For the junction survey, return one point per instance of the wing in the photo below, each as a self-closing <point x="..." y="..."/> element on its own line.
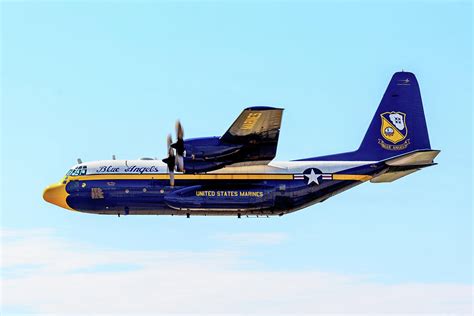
<point x="251" y="139"/>
<point x="255" y="122"/>
<point x="257" y="130"/>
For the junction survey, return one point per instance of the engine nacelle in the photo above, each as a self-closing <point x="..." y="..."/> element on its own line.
<point x="211" y="153"/>
<point x="209" y="148"/>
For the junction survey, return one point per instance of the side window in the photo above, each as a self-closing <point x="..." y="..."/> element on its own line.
<point x="83" y="170"/>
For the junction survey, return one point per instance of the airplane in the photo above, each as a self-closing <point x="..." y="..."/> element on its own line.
<point x="235" y="174"/>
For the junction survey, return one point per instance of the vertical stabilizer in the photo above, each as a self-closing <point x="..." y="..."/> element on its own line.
<point x="399" y="124"/>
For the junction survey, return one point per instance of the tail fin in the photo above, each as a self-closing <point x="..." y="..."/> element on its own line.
<point x="399" y="124"/>
<point x="397" y="128"/>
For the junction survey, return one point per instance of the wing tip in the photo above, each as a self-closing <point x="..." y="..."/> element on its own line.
<point x="262" y="108"/>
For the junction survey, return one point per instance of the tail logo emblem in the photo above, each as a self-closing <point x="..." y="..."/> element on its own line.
<point x="394" y="129"/>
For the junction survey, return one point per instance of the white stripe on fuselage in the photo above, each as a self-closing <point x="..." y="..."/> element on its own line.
<point x="274" y="167"/>
<point x="295" y="167"/>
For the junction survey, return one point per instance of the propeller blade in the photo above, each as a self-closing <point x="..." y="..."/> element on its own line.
<point x="180" y="163"/>
<point x="171" y="177"/>
<point x="170" y="161"/>
<point x="169" y="141"/>
<point x="179" y="146"/>
<point x="179" y="130"/>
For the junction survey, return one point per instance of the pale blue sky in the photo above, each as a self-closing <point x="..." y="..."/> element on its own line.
<point x="90" y="80"/>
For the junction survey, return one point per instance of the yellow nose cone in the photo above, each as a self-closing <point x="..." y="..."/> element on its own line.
<point x="56" y="194"/>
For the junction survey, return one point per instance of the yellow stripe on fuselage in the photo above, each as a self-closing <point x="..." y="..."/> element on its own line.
<point x="357" y="177"/>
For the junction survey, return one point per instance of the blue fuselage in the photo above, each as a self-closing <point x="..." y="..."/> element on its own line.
<point x="113" y="192"/>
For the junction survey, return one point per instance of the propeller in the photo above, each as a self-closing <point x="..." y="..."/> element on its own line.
<point x="175" y="159"/>
<point x="170" y="161"/>
<point x="179" y="146"/>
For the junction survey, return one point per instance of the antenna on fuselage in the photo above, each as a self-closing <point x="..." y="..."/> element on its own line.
<point x="79" y="160"/>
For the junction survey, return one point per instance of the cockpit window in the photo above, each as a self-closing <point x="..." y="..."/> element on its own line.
<point x="78" y="171"/>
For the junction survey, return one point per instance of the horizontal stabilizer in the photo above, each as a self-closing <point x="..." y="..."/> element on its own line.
<point x="419" y="158"/>
<point x="392" y="176"/>
<point x="406" y="164"/>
